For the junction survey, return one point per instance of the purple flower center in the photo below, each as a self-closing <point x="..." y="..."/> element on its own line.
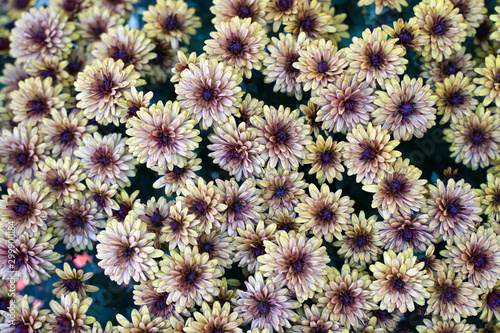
<point x="450" y="69"/>
<point x="190" y="276"/>
<point x="49" y="73"/>
<point x="97" y="30"/>
<point x="480" y="261"/>
<point x="376" y="60"/>
<point x="368" y="154"/>
<point x="449" y="294"/>
<point x="285" y="227"/>
<point x="58" y="182"/>
<point x="70" y="5"/>
<point x="258" y="249"/>
<point x="493" y="299"/>
<point x="200" y="208"/>
<point x="39" y="37"/>
<point x="407" y="234"/>
<point x="128" y="252"/>
<point x="425" y="260"/>
<point x="164" y="138"/>
<point x="175" y="226"/>
<point x="325" y="214"/>
<point x="206" y="247"/>
<point x="398" y="284"/>
<point x="4" y="303"/>
<point x="244" y="11"/>
<point x="99" y="199"/>
<point x="395" y="186"/>
<point x="172" y="23"/>
<point x="72" y="284"/>
<point x="122" y="55"/>
<point x="4" y="44"/>
<point x="217" y="329"/>
<point x="405" y="37"/>
<point x="122" y="212"/>
<point x="74" y="67"/>
<point x="284" y="4"/>
<point x="298" y="266"/>
<point x="132" y="110"/>
<point x="455" y="98"/>
<point x="233" y="153"/>
<point x="21" y="4"/>
<point x="382" y="315"/>
<point x="477" y="137"/>
<point x="105" y="86"/>
<point x="208" y="94"/>
<point x="496" y="198"/>
<point x="361" y="240"/>
<point x="235" y="47"/>
<point x="178" y="171"/>
<point x="327" y="157"/>
<point x="289" y="66"/>
<point x="406" y="109"/>
<point x="22" y="328"/>
<point x="76" y="222"/>
<point x="322" y="66"/>
<point x="19" y="261"/>
<point x="318" y="330"/>
<point x="453" y="208"/>
<point x="160" y="303"/>
<point x="264" y="307"/>
<point x="65" y="324"/>
<point x="104" y="160"/>
<point x="349" y="105"/>
<point x="39" y="107"/>
<point x="307" y="24"/>
<point x="483" y="31"/>
<point x="345" y="298"/>
<point x="280" y="191"/>
<point x="21" y="209"/>
<point x="281" y="136"/>
<point x="237" y="207"/>
<point x="439" y="27"/>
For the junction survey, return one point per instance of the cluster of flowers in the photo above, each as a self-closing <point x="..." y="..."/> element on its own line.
<point x="77" y="68"/>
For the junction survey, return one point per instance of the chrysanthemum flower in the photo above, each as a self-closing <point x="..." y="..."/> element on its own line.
<point x="26" y="318"/>
<point x="70" y="7"/>
<point x="313" y="319"/>
<point x="21" y="150"/>
<point x="203" y="201"/>
<point x="374" y="58"/>
<point x="459" y="61"/>
<point x="387" y="321"/>
<point x="282" y="188"/>
<point x="399" y="282"/>
<point x="242" y="204"/>
<point x="284" y="219"/>
<point x="476" y="256"/>
<point x="369" y="153"/>
<point x="101" y="86"/>
<point x="72" y="280"/>
<point x="346" y="297"/>
<point x="310" y="111"/>
<point x="171" y="21"/>
<point x="163" y="135"/>
<point x="215" y="318"/>
<point x="126" y="250"/>
<point x="279" y="11"/>
<point x="249" y="107"/>
<point x="455" y="98"/>
<point x="162" y="64"/>
<point x="487" y="83"/>
<point x="403" y="230"/>
<point x="28" y="206"/>
<point x="36" y="99"/>
<point x="405" y="108"/>
<point x="225" y="10"/>
<point x="174" y="178"/>
<point x="102" y="194"/>
<point x="490" y="304"/>
<point x="127" y="44"/>
<point x="344" y="104"/>
<point x="319" y="64"/>
<point x="236" y="149"/>
<point x="12" y="74"/>
<point x="284" y="135"/>
<point x="210" y="92"/>
<point x="312" y="18"/>
<point x="407" y="33"/>
<point x="239" y="43"/>
<point x="63" y="177"/>
<point x="179" y="230"/>
<point x="475" y="140"/>
<point x="451" y="297"/>
<point x="177" y="325"/>
<point x="126" y="204"/>
<point x="441" y="27"/>
<point x="219" y="246"/>
<point x="431" y="263"/>
<point x="438" y="325"/>
<point x="142" y="320"/>
<point x="325" y="157"/>
<point x="324" y="213"/>
<point x="265" y="306"/>
<point x="361" y="244"/>
<point x="145" y="294"/>
<point x="297" y="262"/>
<point x="70" y="315"/>
<point x="107" y="158"/>
<point x="120" y="7"/>
<point x="250" y="244"/>
<point x="41" y="32"/>
<point x="93" y="22"/>
<point x="34" y="256"/>
<point x="64" y="131"/>
<point x="15" y="8"/>
<point x="155" y="214"/>
<point x="133" y="102"/>
<point x="484" y="32"/>
<point x="453" y="209"/>
<point x="77" y="224"/>
<point x="189" y="277"/>
<point x="183" y="63"/>
<point x="50" y="66"/>
<point x="399" y="189"/>
<point x="473" y="11"/>
<point x="381" y="4"/>
<point x="489" y="195"/>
